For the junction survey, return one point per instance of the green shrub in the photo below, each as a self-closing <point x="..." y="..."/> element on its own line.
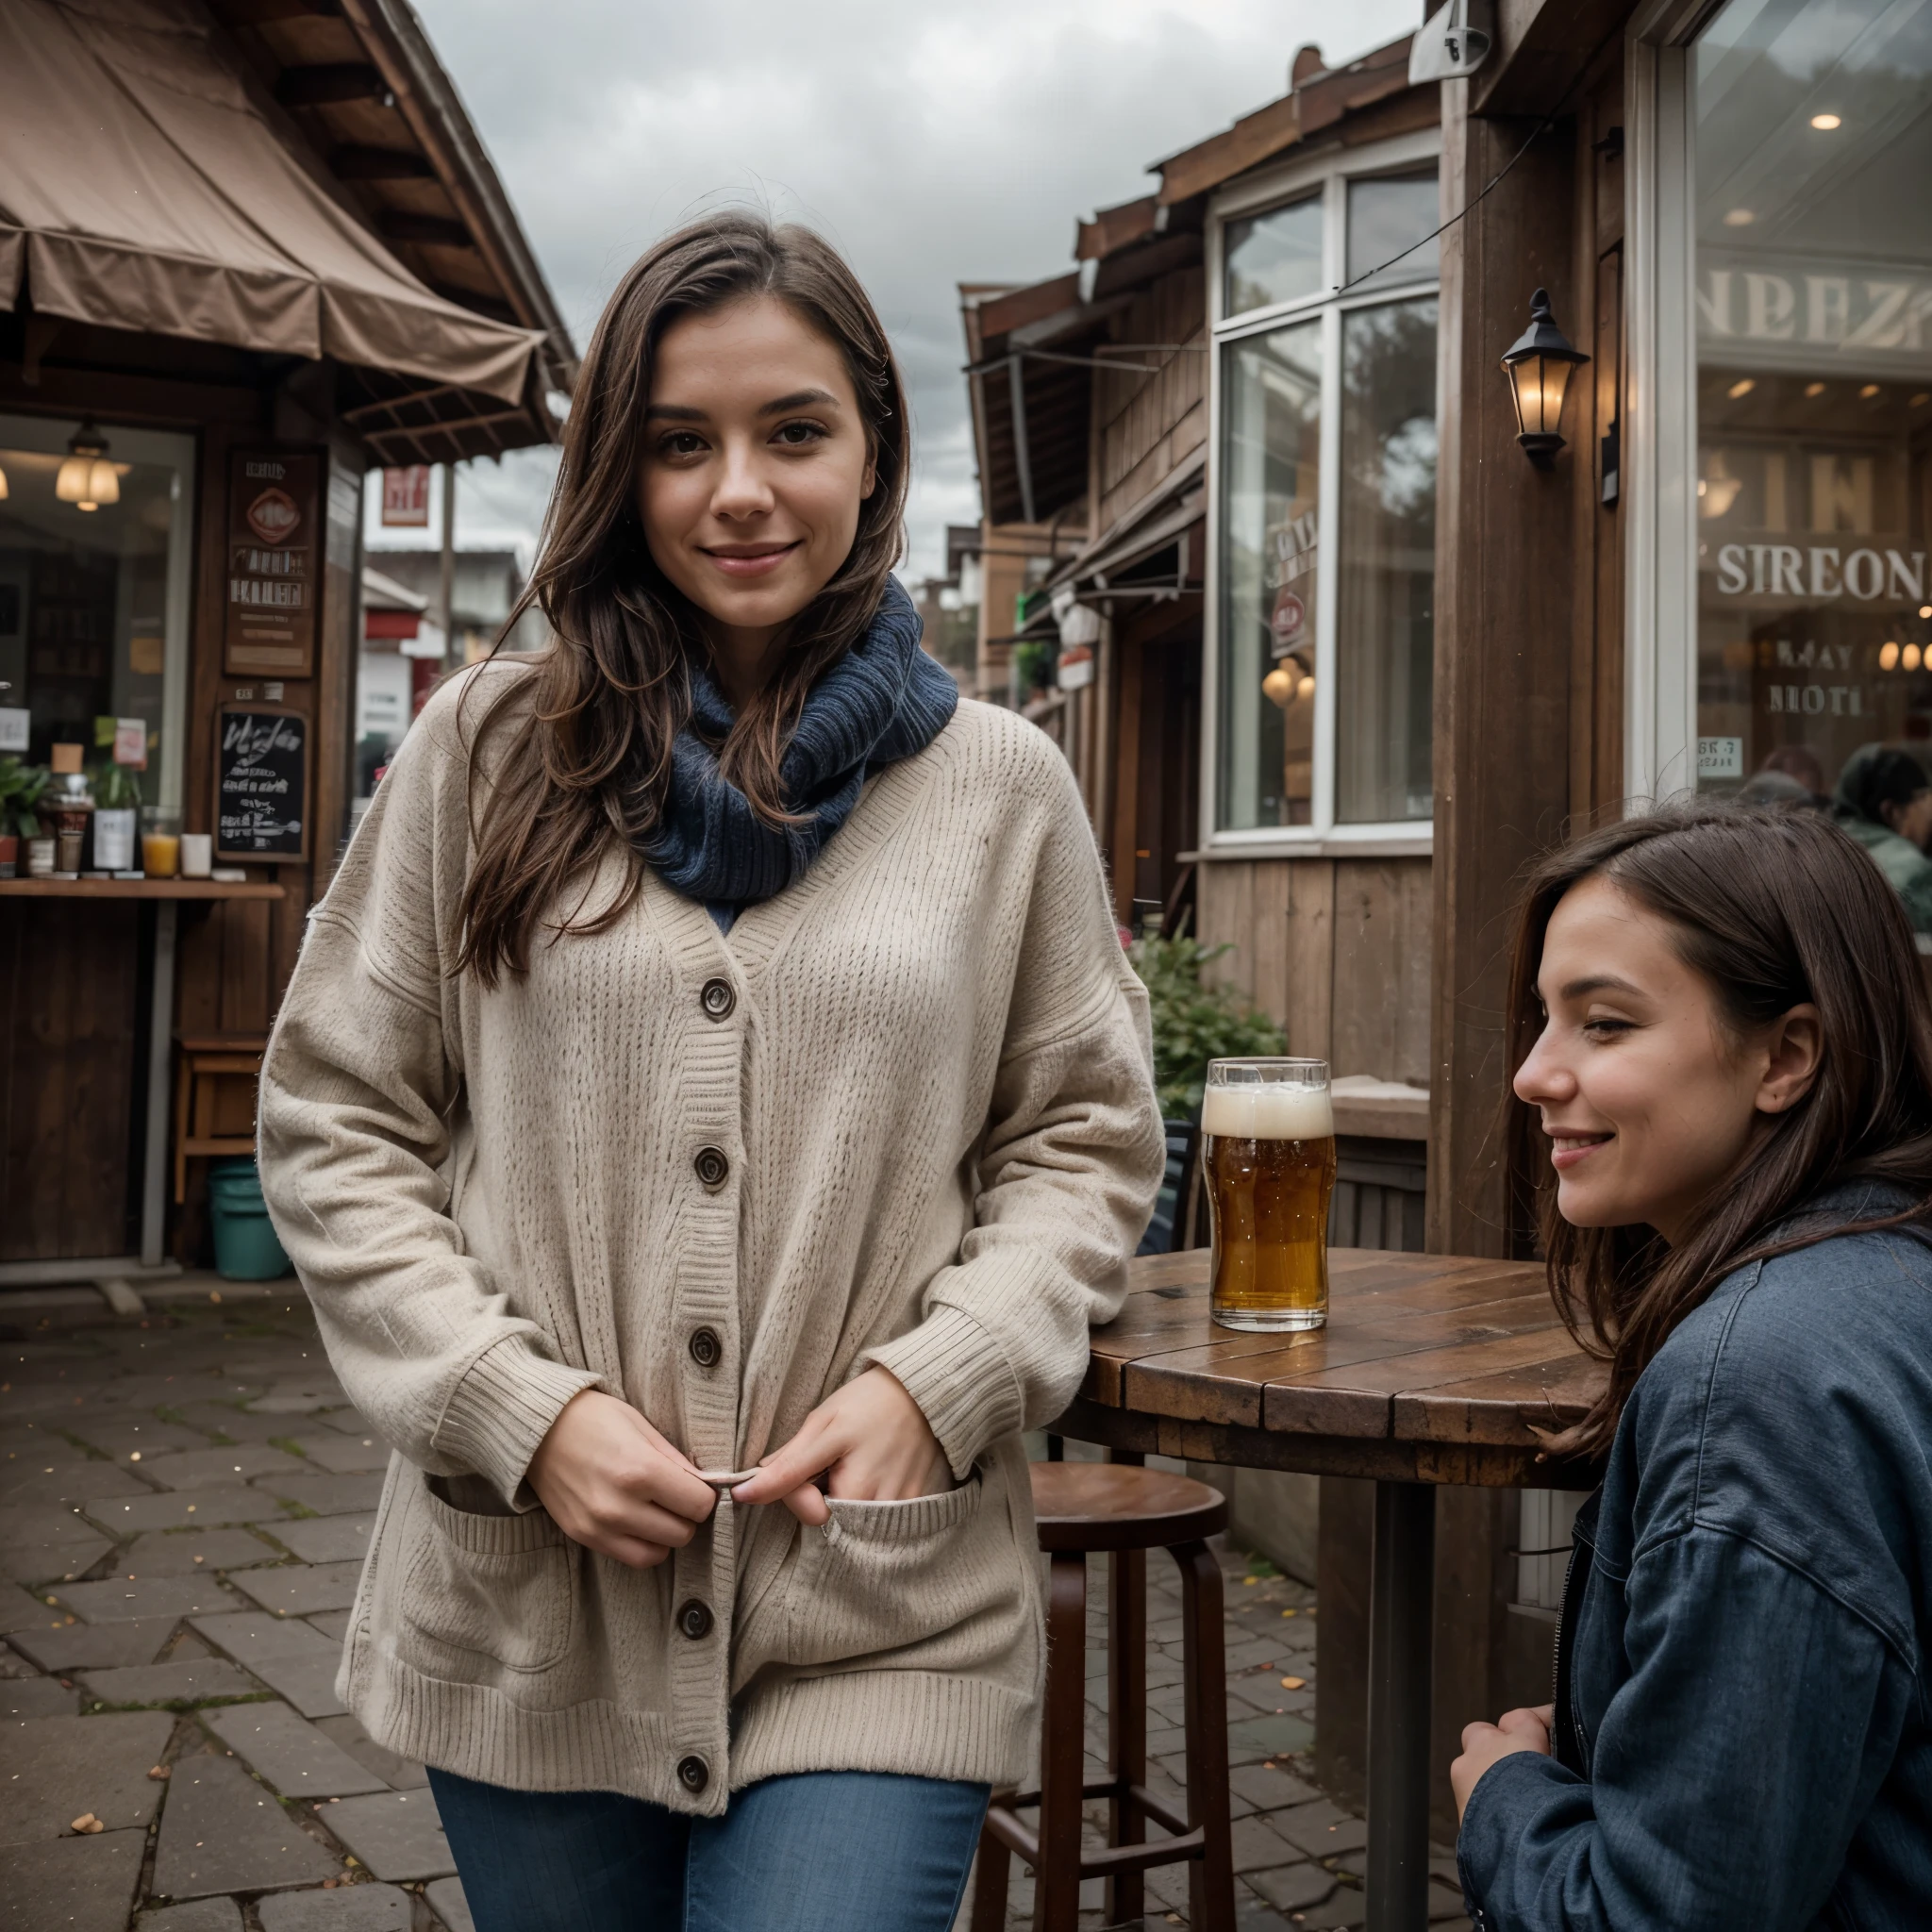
<point x="1194" y="1023"/>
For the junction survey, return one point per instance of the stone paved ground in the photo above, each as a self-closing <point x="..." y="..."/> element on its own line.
<point x="183" y="1503"/>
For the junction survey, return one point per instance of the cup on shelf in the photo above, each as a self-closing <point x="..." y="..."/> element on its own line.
<point x="160" y="846"/>
<point x="197" y="855"/>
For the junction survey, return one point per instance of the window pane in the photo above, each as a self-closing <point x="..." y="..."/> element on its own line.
<point x="1384" y="624"/>
<point x="1387" y="216"/>
<point x="1274" y="257"/>
<point x="1272" y="442"/>
<point x="1814" y="391"/>
<point x="85" y="599"/>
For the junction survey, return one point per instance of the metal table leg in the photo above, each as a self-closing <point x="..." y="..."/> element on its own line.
<point x="1401" y="1607"/>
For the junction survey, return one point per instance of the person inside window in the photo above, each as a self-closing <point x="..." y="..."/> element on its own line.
<point x="1723" y="1029"/>
<point x="1884" y="800"/>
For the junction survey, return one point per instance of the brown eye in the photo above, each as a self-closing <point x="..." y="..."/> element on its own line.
<point x="798" y="435"/>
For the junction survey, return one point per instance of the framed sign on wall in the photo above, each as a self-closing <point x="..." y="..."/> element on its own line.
<point x="275" y="564"/>
<point x="262" y="785"/>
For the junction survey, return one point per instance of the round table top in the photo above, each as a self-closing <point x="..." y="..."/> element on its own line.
<point x="1432" y="1368"/>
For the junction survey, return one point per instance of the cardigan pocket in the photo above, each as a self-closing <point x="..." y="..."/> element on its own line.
<point x="882" y="1576"/>
<point x="500" y="1587"/>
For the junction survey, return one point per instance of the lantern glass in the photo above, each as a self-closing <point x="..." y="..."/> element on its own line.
<point x="1539" y="384"/>
<point x="103" y="483"/>
<point x="69" y="484"/>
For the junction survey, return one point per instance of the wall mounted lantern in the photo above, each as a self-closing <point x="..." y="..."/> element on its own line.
<point x="1538" y="364"/>
<point x="86" y="480"/>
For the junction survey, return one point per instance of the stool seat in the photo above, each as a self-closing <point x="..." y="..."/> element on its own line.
<point x="1114" y="1506"/>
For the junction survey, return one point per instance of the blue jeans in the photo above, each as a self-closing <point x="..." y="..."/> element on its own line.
<point x="828" y="1851"/>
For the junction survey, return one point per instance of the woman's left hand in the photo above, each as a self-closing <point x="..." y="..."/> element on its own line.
<point x="871" y="1437"/>
<point x="1483" y="1744"/>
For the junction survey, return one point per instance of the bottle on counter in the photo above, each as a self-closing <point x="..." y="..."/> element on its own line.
<point x="69" y="805"/>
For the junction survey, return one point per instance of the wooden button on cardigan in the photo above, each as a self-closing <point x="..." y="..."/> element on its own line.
<point x="903" y="1114"/>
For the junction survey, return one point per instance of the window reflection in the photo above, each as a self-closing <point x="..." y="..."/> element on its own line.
<point x="1274" y="257"/>
<point x="1385" y="624"/>
<point x="1388" y="215"/>
<point x="1271" y="437"/>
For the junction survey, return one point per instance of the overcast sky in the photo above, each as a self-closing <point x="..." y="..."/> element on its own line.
<point x="934" y="143"/>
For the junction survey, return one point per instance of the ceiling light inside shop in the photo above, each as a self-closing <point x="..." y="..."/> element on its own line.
<point x="1919" y="400"/>
<point x="1814" y="388"/>
<point x="1826" y="123"/>
<point x="1888" y="657"/>
<point x="1926" y="609"/>
<point x="1739" y="218"/>
<point x="1910" y="656"/>
<point x="3" y="486"/>
<point x="1742" y="387"/>
<point x="1870" y="391"/>
<point x="85" y="479"/>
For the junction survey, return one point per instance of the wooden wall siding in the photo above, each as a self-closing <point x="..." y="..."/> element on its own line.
<point x="1505" y="608"/>
<point x="1338" y="951"/>
<point x="1148" y="422"/>
<point x="70" y="1020"/>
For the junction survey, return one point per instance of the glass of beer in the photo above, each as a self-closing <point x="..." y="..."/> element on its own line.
<point x="1267" y="1150"/>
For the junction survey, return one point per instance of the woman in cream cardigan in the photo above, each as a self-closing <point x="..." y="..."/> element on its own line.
<point x="711" y="1108"/>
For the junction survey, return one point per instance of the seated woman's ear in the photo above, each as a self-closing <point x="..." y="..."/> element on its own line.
<point x="1794" y="1051"/>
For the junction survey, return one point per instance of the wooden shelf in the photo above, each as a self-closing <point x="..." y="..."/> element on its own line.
<point x="136" y="888"/>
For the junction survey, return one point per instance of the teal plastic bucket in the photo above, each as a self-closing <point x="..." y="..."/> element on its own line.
<point x="245" y="1244"/>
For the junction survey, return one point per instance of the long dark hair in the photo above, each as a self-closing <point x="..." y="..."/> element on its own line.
<point x="585" y="757"/>
<point x="1772" y="909"/>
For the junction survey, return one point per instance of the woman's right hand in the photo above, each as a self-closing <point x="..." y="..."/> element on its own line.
<point x="612" y="1483"/>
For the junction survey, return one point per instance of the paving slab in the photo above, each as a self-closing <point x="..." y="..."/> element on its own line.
<point x="30" y="1443"/>
<point x="1322" y="1830"/>
<point x="22" y="1610"/>
<point x="120" y="1599"/>
<point x="29" y="1697"/>
<point x="193" y="1552"/>
<point x="328" y="1495"/>
<point x="229" y="1418"/>
<point x="134" y="1440"/>
<point x="305" y="1679"/>
<point x="347" y="1422"/>
<point x="52" y="1769"/>
<point x="328" y="1538"/>
<point x="397" y="1835"/>
<point x="348" y="1908"/>
<point x="212" y="1469"/>
<point x="35" y="1560"/>
<point x="399" y="1774"/>
<point x="25" y="1482"/>
<point x="1294" y="1887"/>
<point x="298" y="1589"/>
<point x="300" y="1397"/>
<point x="251" y="1637"/>
<point x="1256" y="1846"/>
<point x="447" y="1902"/>
<point x="198" y="1915"/>
<point x="182" y="1509"/>
<point x="93" y="1646"/>
<point x="297" y="1759"/>
<point x="179" y="1685"/>
<point x="1257" y="1737"/>
<point x="46" y="1523"/>
<point x="221" y="1831"/>
<point x="344" y="1454"/>
<point x="334" y="1625"/>
<point x="77" y="1884"/>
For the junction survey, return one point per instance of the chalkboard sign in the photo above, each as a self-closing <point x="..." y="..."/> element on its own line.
<point x="262" y="785"/>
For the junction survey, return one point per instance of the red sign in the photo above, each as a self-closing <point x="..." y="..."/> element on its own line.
<point x="406" y="497"/>
<point x="1287" y="621"/>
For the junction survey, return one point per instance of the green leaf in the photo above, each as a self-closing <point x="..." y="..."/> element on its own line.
<point x="1193" y="1023"/>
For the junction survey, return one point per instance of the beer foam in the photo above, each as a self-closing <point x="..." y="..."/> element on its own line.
<point x="1267" y="1113"/>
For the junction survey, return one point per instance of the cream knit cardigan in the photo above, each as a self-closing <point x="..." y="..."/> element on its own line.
<point x="902" y="1115"/>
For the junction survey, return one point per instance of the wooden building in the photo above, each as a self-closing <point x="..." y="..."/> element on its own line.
<point x="281" y="260"/>
<point x="1424" y="647"/>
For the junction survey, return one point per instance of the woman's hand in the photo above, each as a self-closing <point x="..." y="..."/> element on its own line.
<point x="871" y="1436"/>
<point x="1483" y="1744"/>
<point x="612" y="1483"/>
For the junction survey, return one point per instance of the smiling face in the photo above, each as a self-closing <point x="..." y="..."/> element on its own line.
<point x="1649" y="1100"/>
<point x="755" y="461"/>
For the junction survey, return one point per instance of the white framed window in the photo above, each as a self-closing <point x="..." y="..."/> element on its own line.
<point x="1322" y="515"/>
<point x="1780" y="455"/>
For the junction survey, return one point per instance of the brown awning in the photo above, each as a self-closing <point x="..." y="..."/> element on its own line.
<point x="144" y="186"/>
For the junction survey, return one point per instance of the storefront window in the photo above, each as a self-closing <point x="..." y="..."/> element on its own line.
<point x="93" y="600"/>
<point x="1271" y="479"/>
<point x="1328" y="471"/>
<point x="1385" y="633"/>
<point x="1814" y="387"/>
<point x="1274" y="257"/>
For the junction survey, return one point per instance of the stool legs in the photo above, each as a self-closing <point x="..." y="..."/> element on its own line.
<point x="1126" y="1721"/>
<point x="1210" y="1877"/>
<point x="1063" y="1747"/>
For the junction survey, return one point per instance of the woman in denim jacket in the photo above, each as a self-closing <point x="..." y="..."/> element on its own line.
<point x="1729" y="1045"/>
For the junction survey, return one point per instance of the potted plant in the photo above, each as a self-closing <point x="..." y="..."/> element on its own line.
<point x="116" y="816"/>
<point x="21" y="786"/>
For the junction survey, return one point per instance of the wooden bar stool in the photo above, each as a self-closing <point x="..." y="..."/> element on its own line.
<point x="1083" y="1506"/>
<point x="215" y="1097"/>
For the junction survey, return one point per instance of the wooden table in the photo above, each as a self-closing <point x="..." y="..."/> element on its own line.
<point x="1431" y="1370"/>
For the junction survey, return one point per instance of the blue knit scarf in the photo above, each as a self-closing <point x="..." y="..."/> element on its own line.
<point x="884" y="700"/>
